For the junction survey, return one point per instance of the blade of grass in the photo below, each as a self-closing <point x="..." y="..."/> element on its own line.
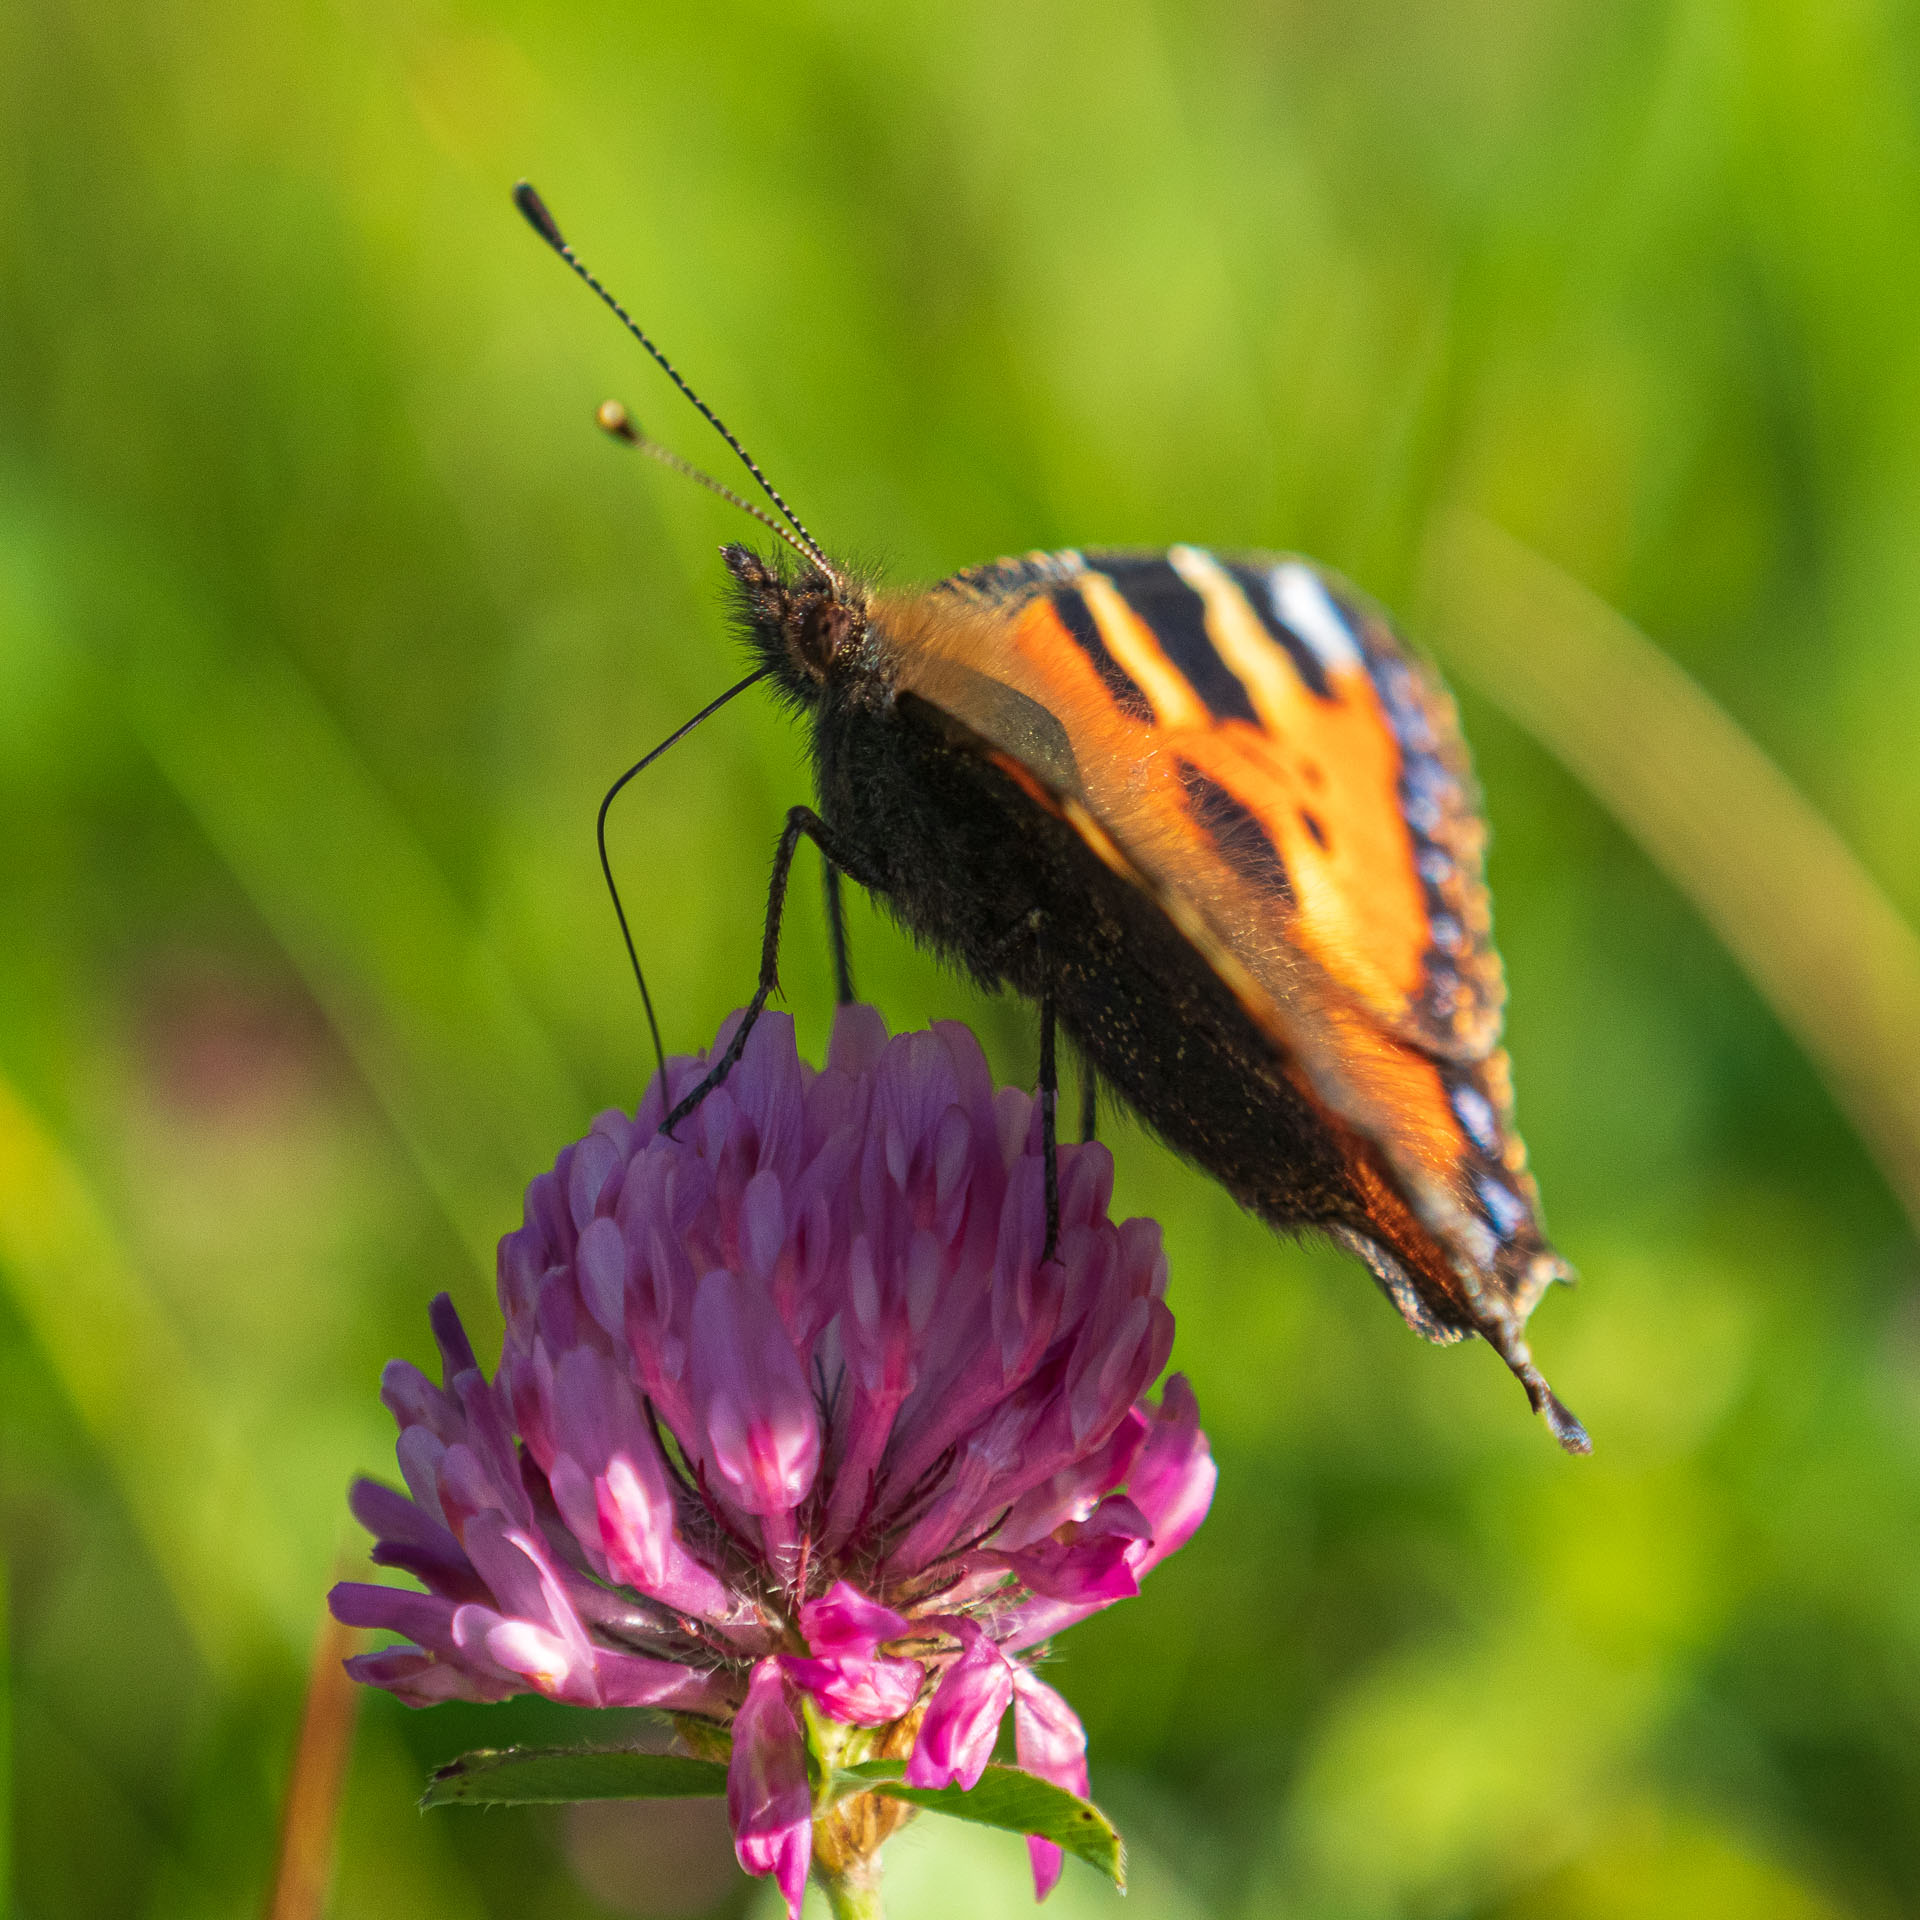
<point x="310" y="1813"/>
<point x="1809" y="925"/>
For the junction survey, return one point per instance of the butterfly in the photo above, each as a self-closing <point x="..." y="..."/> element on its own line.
<point x="1212" y="817"/>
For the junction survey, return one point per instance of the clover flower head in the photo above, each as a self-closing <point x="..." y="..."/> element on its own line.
<point x="795" y="1435"/>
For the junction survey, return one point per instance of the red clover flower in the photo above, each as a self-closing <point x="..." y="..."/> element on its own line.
<point x="795" y="1437"/>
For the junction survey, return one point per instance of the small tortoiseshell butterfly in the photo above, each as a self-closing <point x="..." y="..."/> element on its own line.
<point x="1212" y="817"/>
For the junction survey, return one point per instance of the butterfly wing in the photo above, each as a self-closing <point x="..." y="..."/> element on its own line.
<point x="1250" y="744"/>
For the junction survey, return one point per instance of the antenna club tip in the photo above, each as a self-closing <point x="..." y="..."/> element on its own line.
<point x="537" y="217"/>
<point x="613" y="418"/>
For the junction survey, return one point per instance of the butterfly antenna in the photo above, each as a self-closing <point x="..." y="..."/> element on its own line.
<point x="543" y="223"/>
<point x="620" y="425"/>
<point x="606" y="866"/>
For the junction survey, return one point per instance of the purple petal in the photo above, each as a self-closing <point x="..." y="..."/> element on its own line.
<point x="642" y="1548"/>
<point x="612" y="1486"/>
<point x="973" y="1079"/>
<point x="414" y="1401"/>
<point x="552" y="1663"/>
<point x="491" y="1438"/>
<point x="595" y="1162"/>
<point x="844" y="1620"/>
<point x="763" y="1224"/>
<point x="1032" y="1621"/>
<point x="1050" y="1742"/>
<point x="1094" y="1561"/>
<point x="600" y="1267"/>
<point x="859" y="1038"/>
<point x="1086" y="1183"/>
<point x="636" y="1680"/>
<point x="635" y="1513"/>
<point x="1173" y="1482"/>
<point x="1015" y="1116"/>
<point x="859" y="1689"/>
<point x="436" y="1667"/>
<point x="767" y="1088"/>
<point x="768" y="1798"/>
<point x="762" y="1432"/>
<point x="1073" y="1492"/>
<point x="421" y="1617"/>
<point x="963" y="1717"/>
<point x="1023" y="1233"/>
<point x="420" y="1680"/>
<point x="548" y="1601"/>
<point x="546" y="1212"/>
<point x="467" y="1487"/>
<point x="522" y="1261"/>
<point x="456" y="1350"/>
<point x="972" y="1494"/>
<point x="1103" y="1380"/>
<point x="449" y="1575"/>
<point x="389" y="1515"/>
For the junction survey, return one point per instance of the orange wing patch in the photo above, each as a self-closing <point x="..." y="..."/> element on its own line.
<point x="1137" y="649"/>
<point x="1321" y="775"/>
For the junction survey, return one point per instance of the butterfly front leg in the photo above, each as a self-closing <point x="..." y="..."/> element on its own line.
<point x="837" y="931"/>
<point x="802" y="824"/>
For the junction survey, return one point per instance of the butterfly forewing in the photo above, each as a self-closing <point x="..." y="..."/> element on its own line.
<point x="1256" y="750"/>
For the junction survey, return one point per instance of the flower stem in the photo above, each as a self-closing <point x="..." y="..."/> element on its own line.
<point x="854" y="1893"/>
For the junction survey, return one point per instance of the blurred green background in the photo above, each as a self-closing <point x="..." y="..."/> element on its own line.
<point x="325" y="618"/>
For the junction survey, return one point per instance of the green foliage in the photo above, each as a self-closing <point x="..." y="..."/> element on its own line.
<point x="326" y="617"/>
<point x="1006" y="1798"/>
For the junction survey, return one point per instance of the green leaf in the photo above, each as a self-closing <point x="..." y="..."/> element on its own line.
<point x="1009" y="1798"/>
<point x="513" y="1776"/>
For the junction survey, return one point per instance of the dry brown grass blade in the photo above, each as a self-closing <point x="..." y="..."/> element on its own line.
<point x="310" y="1815"/>
<point x="1813" y="931"/>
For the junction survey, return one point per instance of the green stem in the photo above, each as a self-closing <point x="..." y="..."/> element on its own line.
<point x="854" y="1894"/>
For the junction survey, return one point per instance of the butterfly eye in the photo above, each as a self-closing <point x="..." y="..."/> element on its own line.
<point x="824" y="631"/>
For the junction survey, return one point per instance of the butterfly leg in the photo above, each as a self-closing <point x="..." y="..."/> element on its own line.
<point x="1049" y="1100"/>
<point x="1562" y="1421"/>
<point x="1089" y="1100"/>
<point x="837" y="932"/>
<point x="1032" y="927"/>
<point x="802" y="824"/>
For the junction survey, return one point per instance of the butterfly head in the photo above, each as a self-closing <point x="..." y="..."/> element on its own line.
<point x="807" y="626"/>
